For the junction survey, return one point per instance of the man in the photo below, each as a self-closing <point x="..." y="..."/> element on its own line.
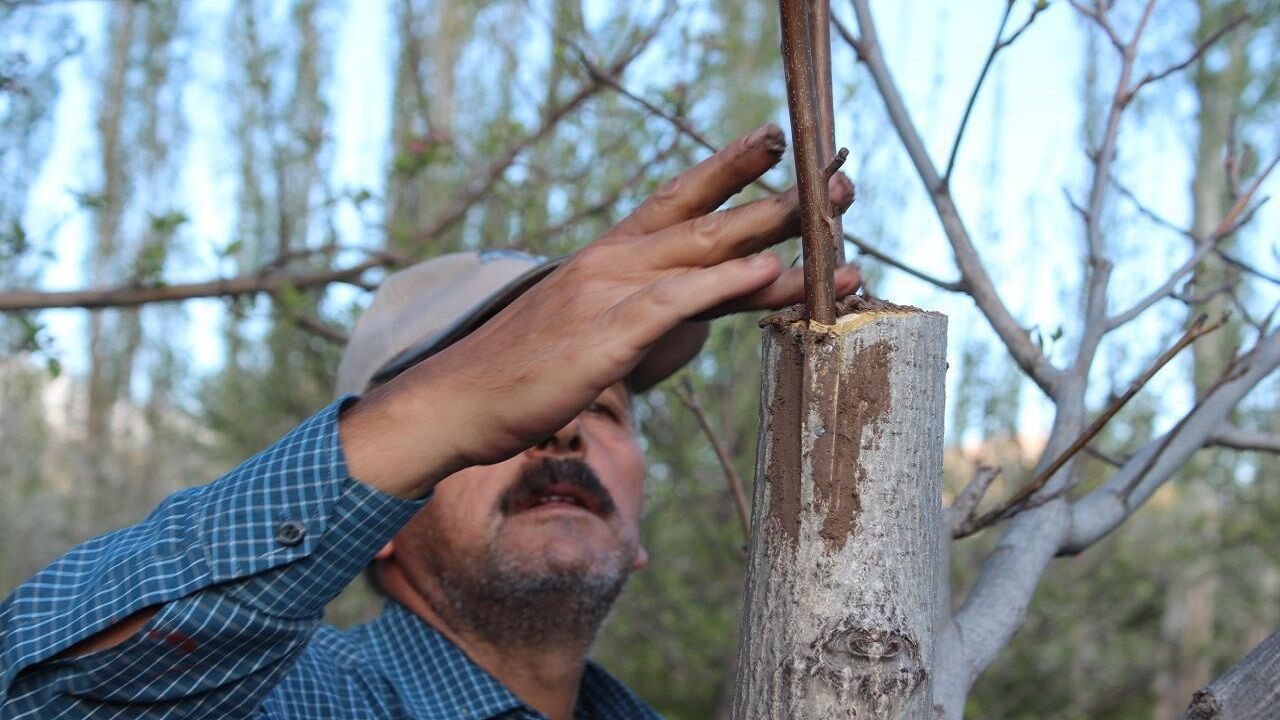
<point x="490" y="474"/>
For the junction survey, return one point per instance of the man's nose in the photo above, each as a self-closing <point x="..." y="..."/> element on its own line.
<point x="568" y="441"/>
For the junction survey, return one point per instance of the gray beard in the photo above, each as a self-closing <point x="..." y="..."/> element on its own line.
<point x="506" y="604"/>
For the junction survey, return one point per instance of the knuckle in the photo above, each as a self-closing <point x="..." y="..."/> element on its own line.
<point x="668" y="194"/>
<point x="705" y="231"/>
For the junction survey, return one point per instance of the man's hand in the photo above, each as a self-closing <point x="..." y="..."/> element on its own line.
<point x="534" y="366"/>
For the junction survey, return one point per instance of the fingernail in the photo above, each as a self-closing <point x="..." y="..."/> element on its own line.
<point x="768" y="136"/>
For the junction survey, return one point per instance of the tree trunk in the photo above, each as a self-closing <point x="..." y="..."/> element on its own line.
<point x="847" y="525"/>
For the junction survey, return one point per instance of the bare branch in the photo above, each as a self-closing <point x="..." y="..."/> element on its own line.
<point x="133" y="296"/>
<point x="1106" y="507"/>
<point x="680" y="124"/>
<point x="318" y="327"/>
<point x="1099" y="274"/>
<point x="1200" y="50"/>
<point x="1227" y="225"/>
<point x="1100" y="18"/>
<point x="482" y="180"/>
<point x="815" y="203"/>
<point x="868" y="249"/>
<point x="977" y="282"/>
<point x="1242" y="439"/>
<point x="966" y="503"/>
<point x="1015" y="502"/>
<point x="687" y="396"/>
<point x="1248" y="691"/>
<point x="1094" y="451"/>
<point x="1150" y="214"/>
<point x="819" y="21"/>
<point x="999" y="43"/>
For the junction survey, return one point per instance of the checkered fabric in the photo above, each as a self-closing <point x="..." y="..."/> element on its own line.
<point x="244" y="567"/>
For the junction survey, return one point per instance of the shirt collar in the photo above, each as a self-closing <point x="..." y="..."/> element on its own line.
<point x="434" y="679"/>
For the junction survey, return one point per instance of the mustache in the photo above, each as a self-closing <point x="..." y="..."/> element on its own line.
<point x="537" y="478"/>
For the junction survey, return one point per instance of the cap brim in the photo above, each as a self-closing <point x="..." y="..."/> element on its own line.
<point x="668" y="355"/>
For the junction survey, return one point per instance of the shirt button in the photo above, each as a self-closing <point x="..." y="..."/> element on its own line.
<point x="290" y="532"/>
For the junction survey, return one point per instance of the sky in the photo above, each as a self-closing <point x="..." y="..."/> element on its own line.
<point x="1021" y="154"/>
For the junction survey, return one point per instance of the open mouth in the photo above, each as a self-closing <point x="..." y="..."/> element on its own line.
<point x="560" y="495"/>
<point x="565" y="484"/>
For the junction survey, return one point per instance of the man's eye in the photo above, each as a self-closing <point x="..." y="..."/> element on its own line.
<point x="604" y="409"/>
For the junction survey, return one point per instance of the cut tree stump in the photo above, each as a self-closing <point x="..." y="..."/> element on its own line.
<point x="846" y="540"/>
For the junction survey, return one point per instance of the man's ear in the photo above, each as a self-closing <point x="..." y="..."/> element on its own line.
<point x="642" y="559"/>
<point x="387" y="551"/>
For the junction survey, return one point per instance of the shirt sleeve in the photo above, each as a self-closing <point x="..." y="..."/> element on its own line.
<point x="243" y="568"/>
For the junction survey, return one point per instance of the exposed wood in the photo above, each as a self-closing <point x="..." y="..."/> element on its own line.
<point x="845" y="557"/>
<point x="1248" y="691"/>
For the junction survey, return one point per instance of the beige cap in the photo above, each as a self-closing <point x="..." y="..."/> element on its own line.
<point x="424" y="308"/>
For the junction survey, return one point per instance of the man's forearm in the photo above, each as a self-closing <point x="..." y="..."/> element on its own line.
<point x="400" y="438"/>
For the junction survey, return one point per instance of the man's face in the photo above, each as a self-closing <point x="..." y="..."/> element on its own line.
<point x="558" y="522"/>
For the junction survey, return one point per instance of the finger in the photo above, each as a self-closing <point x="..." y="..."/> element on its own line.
<point x="743" y="230"/>
<point x="788" y="289"/>
<point x="707" y="185"/>
<point x="652" y="312"/>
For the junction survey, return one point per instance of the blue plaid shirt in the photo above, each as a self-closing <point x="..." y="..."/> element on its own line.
<point x="244" y="567"/>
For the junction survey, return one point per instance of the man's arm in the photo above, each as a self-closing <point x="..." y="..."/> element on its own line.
<point x="534" y="366"/>
<point x="218" y="590"/>
<point x="207" y="602"/>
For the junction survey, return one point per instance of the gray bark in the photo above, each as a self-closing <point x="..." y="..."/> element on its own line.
<point x="1248" y="691"/>
<point x="841" y="605"/>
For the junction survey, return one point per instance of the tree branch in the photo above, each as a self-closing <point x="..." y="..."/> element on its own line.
<point x="680" y="124"/>
<point x="815" y="204"/>
<point x="966" y="503"/>
<point x="973" y="274"/>
<point x="1241" y="439"/>
<point x="1012" y="505"/>
<point x="1226" y="226"/>
<point x="1106" y="507"/>
<point x="1200" y="49"/>
<point x="133" y="296"/>
<point x="999" y="43"/>
<point x="482" y="180"/>
<point x="1099" y="275"/>
<point x="819" y="20"/>
<point x="1248" y="691"/>
<point x="687" y="396"/>
<point x="868" y="249"/>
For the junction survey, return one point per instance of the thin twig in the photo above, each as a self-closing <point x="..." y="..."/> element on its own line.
<point x="319" y="328"/>
<point x="819" y="19"/>
<point x="1245" y="266"/>
<point x="1012" y="505"/>
<point x="976" y="279"/>
<point x="1201" y="49"/>
<point x="482" y="180"/>
<point x="1233" y="371"/>
<point x="867" y="249"/>
<point x="133" y="296"/>
<point x="999" y="43"/>
<point x="1150" y="214"/>
<point x="680" y="124"/>
<point x="1226" y="226"/>
<point x="815" y="202"/>
<point x="966" y="503"/>
<point x="686" y="395"/>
